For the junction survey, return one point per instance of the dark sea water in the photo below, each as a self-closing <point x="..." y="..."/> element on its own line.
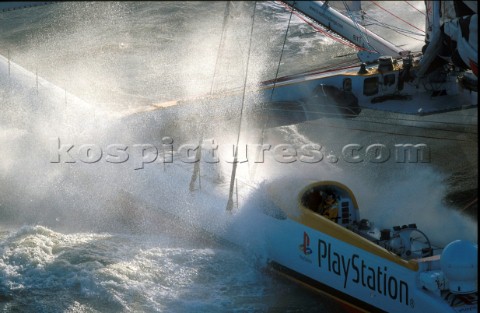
<point x="95" y="237"/>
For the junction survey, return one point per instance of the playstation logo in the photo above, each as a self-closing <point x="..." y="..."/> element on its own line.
<point x="305" y="246"/>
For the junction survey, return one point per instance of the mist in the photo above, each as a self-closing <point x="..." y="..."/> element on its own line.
<point x="100" y="80"/>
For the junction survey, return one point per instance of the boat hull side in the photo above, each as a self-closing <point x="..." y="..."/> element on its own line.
<point x="344" y="271"/>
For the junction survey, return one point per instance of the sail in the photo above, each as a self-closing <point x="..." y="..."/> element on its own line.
<point x="463" y="33"/>
<point x="459" y="21"/>
<point x="452" y="31"/>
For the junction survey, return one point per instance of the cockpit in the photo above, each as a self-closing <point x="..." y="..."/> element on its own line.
<point x="330" y="203"/>
<point x="339" y="206"/>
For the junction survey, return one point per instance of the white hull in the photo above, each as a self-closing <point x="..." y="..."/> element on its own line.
<point x="350" y="274"/>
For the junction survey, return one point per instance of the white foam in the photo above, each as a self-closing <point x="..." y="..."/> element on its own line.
<point x="150" y="273"/>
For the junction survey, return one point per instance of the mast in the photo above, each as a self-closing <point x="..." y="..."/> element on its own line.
<point x="433" y="42"/>
<point x="373" y="45"/>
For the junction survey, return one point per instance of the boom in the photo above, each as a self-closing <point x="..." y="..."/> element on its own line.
<point x="373" y="45"/>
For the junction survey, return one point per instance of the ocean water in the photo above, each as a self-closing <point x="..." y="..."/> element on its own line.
<point x="48" y="271"/>
<point x="100" y="237"/>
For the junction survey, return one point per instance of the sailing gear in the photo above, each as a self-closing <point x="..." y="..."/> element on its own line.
<point x="464" y="31"/>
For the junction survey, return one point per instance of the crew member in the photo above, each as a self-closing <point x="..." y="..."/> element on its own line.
<point x="329" y="207"/>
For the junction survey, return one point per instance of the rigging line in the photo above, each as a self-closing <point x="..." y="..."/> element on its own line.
<point x="469" y="204"/>
<point x="399" y="31"/>
<point x="234" y="168"/>
<point x="198" y="154"/>
<point x="266" y="120"/>
<point x="398" y="17"/>
<point x="352" y="17"/>
<point x="429" y="121"/>
<point x="326" y="33"/>
<point x="414" y="7"/>
<point x="378" y="123"/>
<point x="222" y="38"/>
<point x="403" y="34"/>
<point x="281" y="55"/>
<point x="341" y="65"/>
<point x="389" y="133"/>
<point x="278" y="69"/>
<point x="310" y="73"/>
<point x="380" y="23"/>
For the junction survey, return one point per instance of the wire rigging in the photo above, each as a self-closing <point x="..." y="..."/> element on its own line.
<point x="414" y="7"/>
<point x="281" y="54"/>
<point x="400" y="30"/>
<point x="235" y="159"/>
<point x="354" y="20"/>
<point x="321" y="30"/>
<point x="196" y="168"/>
<point x="222" y="42"/>
<point x="396" y="16"/>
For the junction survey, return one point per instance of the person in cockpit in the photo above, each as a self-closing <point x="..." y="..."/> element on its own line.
<point x="329" y="207"/>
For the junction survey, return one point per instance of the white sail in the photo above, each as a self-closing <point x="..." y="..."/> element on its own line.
<point x="467" y="40"/>
<point x="452" y="31"/>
